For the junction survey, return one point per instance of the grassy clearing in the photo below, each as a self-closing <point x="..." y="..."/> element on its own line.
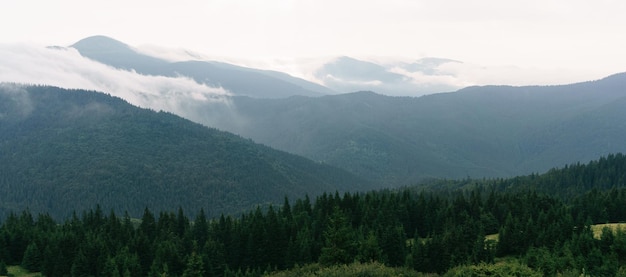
<point x="18" y="271"/>
<point x="597" y="229"/>
<point x="493" y="237"/>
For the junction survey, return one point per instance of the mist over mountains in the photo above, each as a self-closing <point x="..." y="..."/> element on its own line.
<point x="238" y="80"/>
<point x="338" y="75"/>
<point x="479" y="131"/>
<point x="476" y="131"/>
<point x="492" y="131"/>
<point x="421" y="77"/>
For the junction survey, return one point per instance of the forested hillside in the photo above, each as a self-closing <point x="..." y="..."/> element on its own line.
<point x="64" y="150"/>
<point x="492" y="131"/>
<point x="414" y="229"/>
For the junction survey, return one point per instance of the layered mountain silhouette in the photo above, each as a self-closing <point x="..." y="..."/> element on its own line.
<point x="346" y="74"/>
<point x="238" y="80"/>
<point x="338" y="75"/>
<point x="68" y="150"/>
<point x="484" y="131"/>
<point x="490" y="131"/>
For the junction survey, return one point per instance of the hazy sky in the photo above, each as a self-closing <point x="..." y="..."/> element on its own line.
<point x="581" y="36"/>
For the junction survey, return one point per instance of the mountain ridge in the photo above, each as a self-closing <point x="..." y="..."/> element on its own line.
<point x="490" y="131"/>
<point x="238" y="80"/>
<point x="64" y="150"/>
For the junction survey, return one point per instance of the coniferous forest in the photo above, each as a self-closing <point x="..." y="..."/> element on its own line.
<point x="526" y="226"/>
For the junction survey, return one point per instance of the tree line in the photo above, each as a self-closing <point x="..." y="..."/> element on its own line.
<point x="424" y="229"/>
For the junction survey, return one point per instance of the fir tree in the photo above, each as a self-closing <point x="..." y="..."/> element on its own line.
<point x="339" y="240"/>
<point x="3" y="269"/>
<point x="32" y="258"/>
<point x="195" y="266"/>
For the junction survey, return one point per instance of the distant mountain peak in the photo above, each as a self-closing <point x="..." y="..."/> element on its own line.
<point x="115" y="53"/>
<point x="102" y="43"/>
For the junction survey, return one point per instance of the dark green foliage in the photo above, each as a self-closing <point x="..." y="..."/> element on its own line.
<point x="111" y="268"/>
<point x="350" y="270"/>
<point x="32" y="258"/>
<point x="431" y="230"/>
<point x="3" y="268"/>
<point x="369" y="249"/>
<point x="195" y="266"/>
<point x="339" y="240"/>
<point x="512" y="268"/>
<point x="64" y="150"/>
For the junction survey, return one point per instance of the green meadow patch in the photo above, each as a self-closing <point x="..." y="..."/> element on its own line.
<point x="492" y="237"/>
<point x="598" y="228"/>
<point x="18" y="271"/>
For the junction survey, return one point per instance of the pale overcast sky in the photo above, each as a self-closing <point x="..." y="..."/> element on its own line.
<point x="575" y="35"/>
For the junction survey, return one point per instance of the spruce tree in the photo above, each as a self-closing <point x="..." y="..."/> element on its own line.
<point x="339" y="240"/>
<point x="3" y="269"/>
<point x="110" y="268"/>
<point x="195" y="266"/>
<point x="81" y="266"/>
<point x="32" y="258"/>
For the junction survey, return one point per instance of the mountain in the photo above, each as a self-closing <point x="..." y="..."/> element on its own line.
<point x="64" y="150"/>
<point x="490" y="131"/>
<point x="342" y="74"/>
<point x="346" y="74"/>
<point x="238" y="80"/>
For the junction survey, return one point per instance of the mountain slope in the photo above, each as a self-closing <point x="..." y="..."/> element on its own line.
<point x="493" y="131"/>
<point x="68" y="150"/>
<point x="238" y="80"/>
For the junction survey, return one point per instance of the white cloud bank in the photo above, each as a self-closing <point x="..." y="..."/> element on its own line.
<point x="66" y="68"/>
<point x="435" y="75"/>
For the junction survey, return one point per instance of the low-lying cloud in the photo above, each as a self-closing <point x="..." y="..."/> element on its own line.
<point x="417" y="77"/>
<point x="434" y="75"/>
<point x="472" y="74"/>
<point x="66" y="68"/>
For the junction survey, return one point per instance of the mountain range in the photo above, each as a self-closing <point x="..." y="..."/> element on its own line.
<point x="479" y="131"/>
<point x="54" y="141"/>
<point x="239" y="80"/>
<point x="336" y="75"/>
<point x="491" y="131"/>
<point x="424" y="76"/>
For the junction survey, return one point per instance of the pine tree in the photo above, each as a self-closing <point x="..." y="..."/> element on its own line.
<point x="215" y="261"/>
<point x="392" y="241"/>
<point x="182" y="223"/>
<point x="195" y="266"/>
<point x="110" y="268"/>
<point x="158" y="270"/>
<point x="302" y="246"/>
<point x="200" y="228"/>
<point x="339" y="240"/>
<point x="128" y="263"/>
<point x="369" y="249"/>
<point x="3" y="269"/>
<point x="81" y="266"/>
<point x="32" y="258"/>
<point x="148" y="225"/>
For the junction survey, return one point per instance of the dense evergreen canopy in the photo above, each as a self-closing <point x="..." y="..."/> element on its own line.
<point x="64" y="150"/>
<point x="415" y="228"/>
